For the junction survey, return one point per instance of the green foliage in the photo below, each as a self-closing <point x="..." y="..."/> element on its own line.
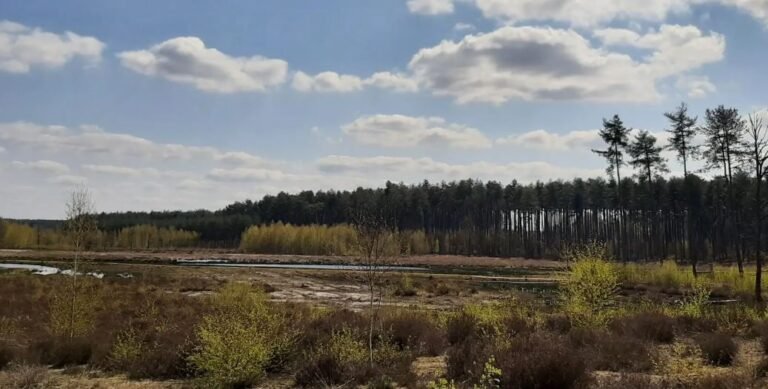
<point x="73" y="309"/>
<point x="695" y="301"/>
<point x="442" y="383"/>
<point x="241" y="339"/>
<point x="491" y="376"/>
<point x="127" y="348"/>
<point x="589" y="291"/>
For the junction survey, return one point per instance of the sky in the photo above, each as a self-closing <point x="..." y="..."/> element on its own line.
<point x="165" y="105"/>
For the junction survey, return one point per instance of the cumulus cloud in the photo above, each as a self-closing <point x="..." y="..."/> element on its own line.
<point x="45" y="166"/>
<point x="187" y="60"/>
<point x="430" y="7"/>
<point x="587" y="13"/>
<point x="245" y="174"/>
<point x="345" y="83"/>
<point x="408" y="131"/>
<point x="695" y="87"/>
<point x="396" y="82"/>
<point x="326" y="82"/>
<point x="400" y="168"/>
<point x="550" y="141"/>
<point x="674" y="48"/>
<point x="23" y="48"/>
<point x="539" y="63"/>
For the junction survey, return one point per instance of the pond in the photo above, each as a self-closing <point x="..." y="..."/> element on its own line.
<point x="300" y="266"/>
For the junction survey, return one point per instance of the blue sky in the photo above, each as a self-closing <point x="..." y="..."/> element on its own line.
<point x="179" y="105"/>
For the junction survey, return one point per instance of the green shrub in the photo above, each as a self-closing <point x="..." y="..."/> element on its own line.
<point x="589" y="291"/>
<point x="241" y="339"/>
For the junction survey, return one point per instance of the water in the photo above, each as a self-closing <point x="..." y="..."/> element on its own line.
<point x="45" y="270"/>
<point x="301" y="266"/>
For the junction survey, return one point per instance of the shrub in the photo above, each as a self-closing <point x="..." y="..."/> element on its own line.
<point x="338" y="360"/>
<point x="416" y="333"/>
<point x="461" y="327"/>
<point x="589" y="291"/>
<point x="404" y="287"/>
<point x="241" y="339"/>
<point x="606" y="351"/>
<point x="465" y="360"/>
<point x="73" y="309"/>
<point x="7" y="354"/>
<point x="652" y="326"/>
<point x="718" y="348"/>
<point x="25" y="377"/>
<point x="540" y="361"/>
<point x="62" y="351"/>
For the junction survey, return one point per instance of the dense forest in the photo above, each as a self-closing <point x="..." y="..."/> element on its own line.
<point x="646" y="216"/>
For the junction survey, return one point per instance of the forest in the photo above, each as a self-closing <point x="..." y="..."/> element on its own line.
<point x="709" y="214"/>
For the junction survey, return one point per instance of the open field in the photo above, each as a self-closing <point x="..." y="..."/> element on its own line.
<point x="141" y="326"/>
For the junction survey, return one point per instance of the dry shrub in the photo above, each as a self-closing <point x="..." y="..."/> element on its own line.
<point x="61" y="351"/>
<point x="607" y="351"/>
<point x="415" y="332"/>
<point x="465" y="359"/>
<point x="338" y="360"/>
<point x="541" y="361"/>
<point x="559" y="323"/>
<point x="25" y="377"/>
<point x="760" y="329"/>
<point x="460" y="328"/>
<point x="718" y="349"/>
<point x="725" y="380"/>
<point x="651" y="326"/>
<point x="7" y="354"/>
<point x="629" y="381"/>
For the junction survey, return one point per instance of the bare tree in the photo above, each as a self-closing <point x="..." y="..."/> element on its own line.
<point x="80" y="226"/>
<point x="755" y="156"/>
<point x="372" y="234"/>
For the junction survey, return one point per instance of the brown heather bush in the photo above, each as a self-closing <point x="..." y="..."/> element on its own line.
<point x="25" y="377"/>
<point x="541" y="361"/>
<point x="415" y="332"/>
<point x="725" y="380"/>
<point x="604" y="350"/>
<point x="650" y="326"/>
<point x="718" y="349"/>
<point x="465" y="359"/>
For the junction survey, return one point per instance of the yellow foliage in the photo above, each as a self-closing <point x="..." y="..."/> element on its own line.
<point x="73" y="309"/>
<point x="279" y="238"/>
<point x="589" y="291"/>
<point x="241" y="339"/>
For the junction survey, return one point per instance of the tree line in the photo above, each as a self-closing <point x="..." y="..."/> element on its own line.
<point x="640" y="216"/>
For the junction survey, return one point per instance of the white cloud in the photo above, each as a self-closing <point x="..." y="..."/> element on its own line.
<point x="696" y="87"/>
<point x="396" y="82"/>
<point x="187" y="60"/>
<point x="23" y="48"/>
<point x="414" y="169"/>
<point x="88" y="140"/>
<point x="345" y="83"/>
<point x="248" y="175"/>
<point x="587" y="13"/>
<point x="408" y="131"/>
<point x="675" y="48"/>
<point x="326" y="82"/>
<point x="549" y="141"/>
<point x="114" y="170"/>
<point x="69" y="180"/>
<point x="430" y="7"/>
<point x="539" y="63"/>
<point x="45" y="166"/>
<point x="581" y="13"/>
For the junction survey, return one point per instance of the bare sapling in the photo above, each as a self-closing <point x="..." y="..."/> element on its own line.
<point x="372" y="234"/>
<point x="80" y="225"/>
